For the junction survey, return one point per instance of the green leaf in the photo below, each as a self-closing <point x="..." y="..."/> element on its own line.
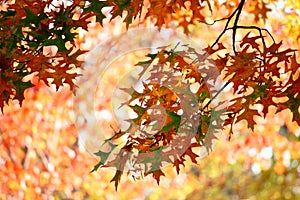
<point x="65" y="32"/>
<point x="8" y="13"/>
<point x="260" y="91"/>
<point x="32" y="18"/>
<point x="96" y="167"/>
<point x="103" y="156"/>
<point x="11" y="46"/>
<point x="176" y="119"/>
<point x="59" y="42"/>
<point x="204" y="95"/>
<point x="96" y="7"/>
<point x="20" y="87"/>
<point x="139" y="110"/>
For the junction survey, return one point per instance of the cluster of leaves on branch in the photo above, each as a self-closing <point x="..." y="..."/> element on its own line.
<point x="182" y="13"/>
<point x="261" y="73"/>
<point x="39" y="38"/>
<point x="265" y="76"/>
<point x="171" y="118"/>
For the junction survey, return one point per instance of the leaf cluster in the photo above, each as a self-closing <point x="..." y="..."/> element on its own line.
<point x="261" y="74"/>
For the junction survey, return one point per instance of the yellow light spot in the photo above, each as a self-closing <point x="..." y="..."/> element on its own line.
<point x="34" y="130"/>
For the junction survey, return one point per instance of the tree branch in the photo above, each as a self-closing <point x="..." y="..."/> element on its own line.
<point x="216" y="95"/>
<point x="239" y="10"/>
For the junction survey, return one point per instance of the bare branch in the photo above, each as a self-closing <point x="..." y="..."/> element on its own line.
<point x="239" y="10"/>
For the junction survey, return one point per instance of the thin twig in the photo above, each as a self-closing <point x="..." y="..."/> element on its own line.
<point x="260" y="34"/>
<point x="217" y="20"/>
<point x="239" y="10"/>
<point x="259" y="29"/>
<point x="215" y="96"/>
<point x="225" y="28"/>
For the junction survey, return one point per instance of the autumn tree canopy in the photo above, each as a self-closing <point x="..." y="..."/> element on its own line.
<point x="40" y="40"/>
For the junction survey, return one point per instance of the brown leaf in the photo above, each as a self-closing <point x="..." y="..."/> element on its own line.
<point x="156" y="175"/>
